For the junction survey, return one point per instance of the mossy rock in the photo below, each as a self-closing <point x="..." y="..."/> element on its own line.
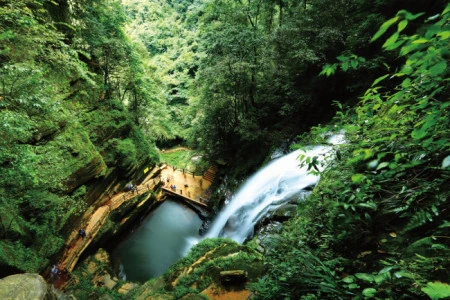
<point x="201" y="268"/>
<point x="70" y="158"/>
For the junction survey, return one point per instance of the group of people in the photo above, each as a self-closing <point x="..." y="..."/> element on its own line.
<point x="173" y="187"/>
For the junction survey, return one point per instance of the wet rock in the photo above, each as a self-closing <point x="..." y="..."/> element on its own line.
<point x="267" y="240"/>
<point x="103" y="256"/>
<point x="127" y="287"/>
<point x="285" y="212"/>
<point x="204" y="228"/>
<point x="109" y="282"/>
<point x="300" y="196"/>
<point x="260" y="249"/>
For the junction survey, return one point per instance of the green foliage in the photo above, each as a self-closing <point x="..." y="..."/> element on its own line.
<point x="160" y="88"/>
<point x="53" y="78"/>
<point x="205" y="261"/>
<point x="85" y="288"/>
<point x="376" y="222"/>
<point x="437" y="290"/>
<point x="190" y="160"/>
<point x="256" y="83"/>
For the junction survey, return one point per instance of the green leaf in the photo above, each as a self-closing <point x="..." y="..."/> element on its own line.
<point x="444" y="34"/>
<point x="369" y="292"/>
<point x="344" y="66"/>
<point x="395" y="45"/>
<point x="371" y="205"/>
<point x="413" y="17"/>
<point x="348" y="279"/>
<point x="365" y="276"/>
<point x="418" y="134"/>
<point x="438" y="68"/>
<point x="328" y="70"/>
<point x="358" y="178"/>
<point x="382" y="277"/>
<point x="405" y="274"/>
<point x="446" y="10"/>
<point x="391" y="40"/>
<point x="406" y="83"/>
<point x="382" y="165"/>
<point x="385" y="270"/>
<point x="402" y="25"/>
<point x="437" y="290"/>
<point x="353" y="286"/>
<point x="420" y="41"/>
<point x="446" y="224"/>
<point x="376" y="81"/>
<point x="385" y="26"/>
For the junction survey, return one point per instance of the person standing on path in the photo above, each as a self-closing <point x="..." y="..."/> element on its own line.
<point x="82" y="233"/>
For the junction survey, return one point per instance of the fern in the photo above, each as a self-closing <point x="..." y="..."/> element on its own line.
<point x="419" y="219"/>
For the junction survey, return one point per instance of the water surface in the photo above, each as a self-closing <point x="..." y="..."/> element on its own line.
<point x="157" y="243"/>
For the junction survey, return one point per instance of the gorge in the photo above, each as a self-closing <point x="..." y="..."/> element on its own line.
<point x="95" y="95"/>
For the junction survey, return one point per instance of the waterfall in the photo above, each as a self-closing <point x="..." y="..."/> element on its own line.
<point x="265" y="191"/>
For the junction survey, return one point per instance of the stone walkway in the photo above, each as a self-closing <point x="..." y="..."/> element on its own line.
<point x="94" y="220"/>
<point x="186" y="184"/>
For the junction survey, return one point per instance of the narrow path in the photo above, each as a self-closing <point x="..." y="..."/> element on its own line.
<point x="94" y="220"/>
<point x="180" y="148"/>
<point x="189" y="186"/>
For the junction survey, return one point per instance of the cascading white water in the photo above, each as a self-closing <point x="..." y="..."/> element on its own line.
<point x="265" y="191"/>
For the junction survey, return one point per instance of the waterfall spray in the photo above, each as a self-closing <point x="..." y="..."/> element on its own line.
<point x="265" y="191"/>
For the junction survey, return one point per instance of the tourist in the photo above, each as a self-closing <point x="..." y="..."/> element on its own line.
<point x="54" y="271"/>
<point x="82" y="233"/>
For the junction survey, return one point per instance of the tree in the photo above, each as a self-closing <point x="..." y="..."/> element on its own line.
<point x="375" y="225"/>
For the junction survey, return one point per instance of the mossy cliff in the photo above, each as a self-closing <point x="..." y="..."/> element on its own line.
<point x="55" y="170"/>
<point x="68" y="137"/>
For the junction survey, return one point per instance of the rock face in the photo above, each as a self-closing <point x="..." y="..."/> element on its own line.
<point x="24" y="286"/>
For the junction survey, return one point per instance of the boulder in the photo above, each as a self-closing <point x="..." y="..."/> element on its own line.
<point x="24" y="286"/>
<point x="127" y="287"/>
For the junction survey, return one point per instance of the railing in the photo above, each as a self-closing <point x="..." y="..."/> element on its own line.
<point x="195" y="173"/>
<point x="74" y="249"/>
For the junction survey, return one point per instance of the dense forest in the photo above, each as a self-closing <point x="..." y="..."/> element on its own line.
<point x="90" y="90"/>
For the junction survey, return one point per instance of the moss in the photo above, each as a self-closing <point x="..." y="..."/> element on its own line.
<point x="203" y="265"/>
<point x="70" y="158"/>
